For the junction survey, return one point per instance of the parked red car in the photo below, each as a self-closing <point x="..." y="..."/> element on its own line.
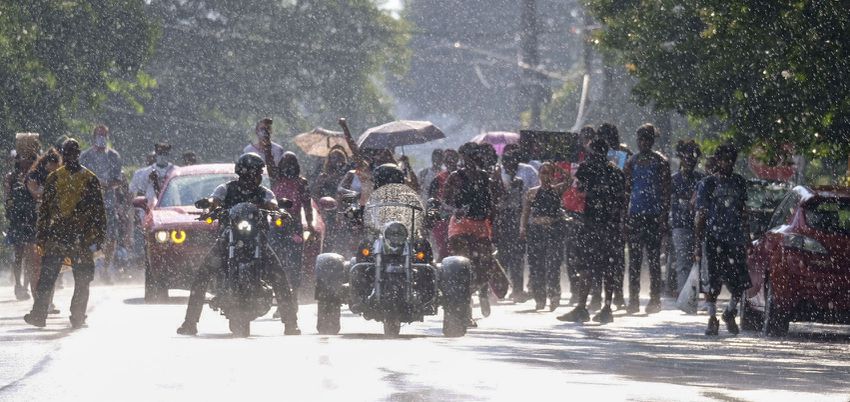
<point x="800" y="267"/>
<point x="176" y="242"/>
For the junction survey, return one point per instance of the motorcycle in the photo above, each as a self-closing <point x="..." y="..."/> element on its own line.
<point x="392" y="277"/>
<point x="241" y="292"/>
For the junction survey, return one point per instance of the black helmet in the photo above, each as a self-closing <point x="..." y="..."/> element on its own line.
<point x="249" y="163"/>
<point x="388" y="173"/>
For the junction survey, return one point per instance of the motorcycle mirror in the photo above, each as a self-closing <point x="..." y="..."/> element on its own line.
<point x="284" y="203"/>
<point x="203" y="203"/>
<point x="328" y="204"/>
<point x="140" y="202"/>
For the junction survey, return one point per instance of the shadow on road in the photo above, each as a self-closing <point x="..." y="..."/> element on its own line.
<point x="171" y="301"/>
<point x="678" y="353"/>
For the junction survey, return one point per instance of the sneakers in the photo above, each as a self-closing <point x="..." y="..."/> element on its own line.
<point x="291" y="329"/>
<point x="653" y="306"/>
<point x="579" y="314"/>
<point x="77" y="322"/>
<point x="52" y="310"/>
<point x="554" y="303"/>
<point x="540" y="304"/>
<point x="605" y="316"/>
<point x="713" y="327"/>
<point x="634" y="307"/>
<point x="31" y="319"/>
<point x="619" y="301"/>
<point x="519" y="297"/>
<point x="21" y="293"/>
<point x="188" y="328"/>
<point x="729" y="320"/>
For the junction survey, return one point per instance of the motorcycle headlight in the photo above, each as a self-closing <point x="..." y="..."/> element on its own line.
<point x="395" y="233"/>
<point x="243" y="226"/>
<point x="161" y="236"/>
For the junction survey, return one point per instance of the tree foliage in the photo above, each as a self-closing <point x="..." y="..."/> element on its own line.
<point x="223" y="64"/>
<point x="60" y="58"/>
<point x="777" y="71"/>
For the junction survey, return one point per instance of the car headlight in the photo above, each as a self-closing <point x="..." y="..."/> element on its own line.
<point x="178" y="236"/>
<point x="161" y="236"/>
<point x="395" y="233"/>
<point x="243" y="226"/>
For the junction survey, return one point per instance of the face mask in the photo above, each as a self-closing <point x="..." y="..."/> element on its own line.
<point x="162" y="160"/>
<point x="100" y="141"/>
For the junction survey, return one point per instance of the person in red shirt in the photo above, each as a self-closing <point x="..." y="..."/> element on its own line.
<point x="289" y="243"/>
<point x="440" y="231"/>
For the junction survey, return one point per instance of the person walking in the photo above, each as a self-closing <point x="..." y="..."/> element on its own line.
<point x="21" y="213"/>
<point x="106" y="164"/>
<point x="542" y="226"/>
<point x="618" y="154"/>
<point x="648" y="186"/>
<point x="71" y="224"/>
<point x="721" y="221"/>
<point x="506" y="224"/>
<point x="440" y="230"/>
<point x="290" y="185"/>
<point x="684" y="184"/>
<point x="604" y="187"/>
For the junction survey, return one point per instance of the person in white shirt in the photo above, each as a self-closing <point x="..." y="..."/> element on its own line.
<point x="140" y="177"/>
<point x="524" y="171"/>
<point x="264" y="145"/>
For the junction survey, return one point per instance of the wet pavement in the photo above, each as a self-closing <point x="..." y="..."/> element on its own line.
<point x="130" y="352"/>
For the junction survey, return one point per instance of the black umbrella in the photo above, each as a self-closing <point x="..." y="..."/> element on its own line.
<point x="399" y="133"/>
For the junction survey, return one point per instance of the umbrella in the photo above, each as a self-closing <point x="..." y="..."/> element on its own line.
<point x="319" y="141"/>
<point x="498" y="139"/>
<point x="400" y="133"/>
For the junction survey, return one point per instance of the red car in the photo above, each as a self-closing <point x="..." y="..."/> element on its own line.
<point x="176" y="242"/>
<point x="800" y="267"/>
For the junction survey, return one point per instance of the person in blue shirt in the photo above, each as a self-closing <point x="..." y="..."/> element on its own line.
<point x="648" y="188"/>
<point x="681" y="208"/>
<point x="721" y="221"/>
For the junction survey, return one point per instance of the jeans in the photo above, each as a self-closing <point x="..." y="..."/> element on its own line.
<point x="545" y="254"/>
<point x="683" y="255"/>
<point x="51" y="264"/>
<point x="645" y="234"/>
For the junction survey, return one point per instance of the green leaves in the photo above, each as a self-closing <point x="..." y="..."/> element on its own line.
<point x="778" y="70"/>
<point x="61" y="58"/>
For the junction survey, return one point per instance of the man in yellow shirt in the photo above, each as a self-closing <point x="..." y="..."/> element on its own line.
<point x="71" y="224"/>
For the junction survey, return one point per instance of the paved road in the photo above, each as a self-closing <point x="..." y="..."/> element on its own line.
<point x="130" y="352"/>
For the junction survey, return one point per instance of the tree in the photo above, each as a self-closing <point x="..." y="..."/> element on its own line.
<point x="221" y="65"/>
<point x="59" y="59"/>
<point x="776" y="71"/>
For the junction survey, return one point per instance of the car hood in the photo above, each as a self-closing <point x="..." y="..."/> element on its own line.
<point x="170" y="216"/>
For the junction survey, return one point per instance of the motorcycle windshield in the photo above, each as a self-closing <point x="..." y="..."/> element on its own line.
<point x="393" y="203"/>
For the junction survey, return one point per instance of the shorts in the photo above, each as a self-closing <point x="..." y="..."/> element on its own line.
<point x="726" y="264"/>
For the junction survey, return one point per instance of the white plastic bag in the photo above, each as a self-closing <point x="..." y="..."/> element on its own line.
<point x="689" y="296"/>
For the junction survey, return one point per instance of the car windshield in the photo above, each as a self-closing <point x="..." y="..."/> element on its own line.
<point x="185" y="190"/>
<point x="831" y="216"/>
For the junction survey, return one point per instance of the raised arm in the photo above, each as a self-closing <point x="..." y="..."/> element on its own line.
<point x="355" y="151"/>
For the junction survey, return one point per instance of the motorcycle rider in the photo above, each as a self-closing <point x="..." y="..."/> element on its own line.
<point x="246" y="188"/>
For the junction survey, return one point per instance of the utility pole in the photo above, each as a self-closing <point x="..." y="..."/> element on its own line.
<point x="530" y="81"/>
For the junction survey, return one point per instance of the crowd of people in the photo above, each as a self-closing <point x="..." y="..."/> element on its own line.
<point x="583" y="212"/>
<point x="504" y="212"/>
